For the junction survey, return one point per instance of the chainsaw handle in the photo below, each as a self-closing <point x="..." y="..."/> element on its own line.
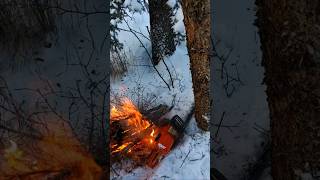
<point x="177" y="123"/>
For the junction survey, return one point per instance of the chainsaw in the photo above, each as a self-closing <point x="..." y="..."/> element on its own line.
<point x="168" y="134"/>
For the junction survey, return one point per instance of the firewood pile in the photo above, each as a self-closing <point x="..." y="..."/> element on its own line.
<point x="133" y="134"/>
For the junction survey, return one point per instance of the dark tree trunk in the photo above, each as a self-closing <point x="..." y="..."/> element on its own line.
<point x="197" y="23"/>
<point x="162" y="34"/>
<point x="290" y="37"/>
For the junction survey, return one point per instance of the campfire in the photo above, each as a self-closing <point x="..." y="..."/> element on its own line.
<point x="144" y="138"/>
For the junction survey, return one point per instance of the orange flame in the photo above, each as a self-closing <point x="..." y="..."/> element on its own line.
<point x="133" y="124"/>
<point x="128" y="110"/>
<point x="152" y="133"/>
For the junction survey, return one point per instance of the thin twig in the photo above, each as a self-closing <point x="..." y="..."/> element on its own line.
<point x="28" y="135"/>
<point x="185" y="158"/>
<point x="168" y="72"/>
<point x="77" y="11"/>
<point x="202" y="156"/>
<point x="115" y="171"/>
<point x="222" y="117"/>
<point x="135" y="32"/>
<point x="147" y="54"/>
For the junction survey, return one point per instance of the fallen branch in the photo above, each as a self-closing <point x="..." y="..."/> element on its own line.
<point x="202" y="156"/>
<point x="222" y="117"/>
<point x="185" y="158"/>
<point x="115" y="171"/>
<point x="168" y="72"/>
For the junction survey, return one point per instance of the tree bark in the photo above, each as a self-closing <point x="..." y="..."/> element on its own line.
<point x="161" y="31"/>
<point x="197" y="24"/>
<point x="290" y="37"/>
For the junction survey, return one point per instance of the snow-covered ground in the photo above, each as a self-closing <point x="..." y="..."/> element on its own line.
<point x="191" y="158"/>
<point x="241" y="97"/>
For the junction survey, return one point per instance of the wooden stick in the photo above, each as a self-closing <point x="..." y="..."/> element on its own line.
<point x="220" y="123"/>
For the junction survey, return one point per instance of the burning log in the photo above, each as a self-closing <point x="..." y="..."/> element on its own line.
<point x="129" y="129"/>
<point x="136" y="137"/>
<point x="157" y="114"/>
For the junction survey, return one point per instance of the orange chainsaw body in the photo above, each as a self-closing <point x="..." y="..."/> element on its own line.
<point x="164" y="141"/>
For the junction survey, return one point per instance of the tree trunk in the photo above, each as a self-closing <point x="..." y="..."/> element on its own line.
<point x="162" y="34"/>
<point x="290" y="37"/>
<point x="197" y="24"/>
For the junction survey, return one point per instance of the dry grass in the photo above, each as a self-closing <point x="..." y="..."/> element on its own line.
<point x="119" y="64"/>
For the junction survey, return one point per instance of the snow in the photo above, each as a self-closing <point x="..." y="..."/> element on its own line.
<point x="179" y="26"/>
<point x="191" y="158"/>
<point x="133" y="5"/>
<point x="171" y="3"/>
<point x="188" y="161"/>
<point x="246" y="106"/>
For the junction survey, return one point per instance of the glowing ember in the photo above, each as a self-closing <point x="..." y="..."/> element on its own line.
<point x="121" y="147"/>
<point x="152" y="133"/>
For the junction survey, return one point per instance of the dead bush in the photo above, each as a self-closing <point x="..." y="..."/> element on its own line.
<point x="119" y="64"/>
